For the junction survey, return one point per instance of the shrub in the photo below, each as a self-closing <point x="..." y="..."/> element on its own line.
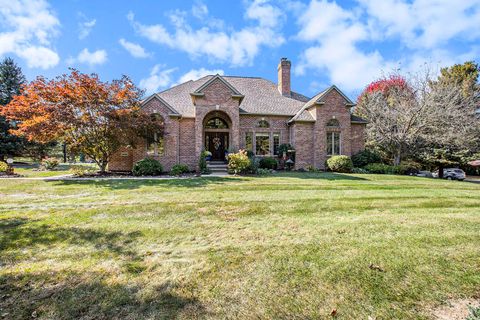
<point x="410" y="167"/>
<point x="365" y="157"/>
<point x="179" y="169"/>
<point x="238" y="162"/>
<point x="268" y="163"/>
<point x="3" y="166"/>
<point x="147" y="167"/>
<point x="202" y="162"/>
<point x="359" y="170"/>
<point x="50" y="163"/>
<point x="81" y="171"/>
<point x="340" y="164"/>
<point x="311" y="168"/>
<point x="263" y="172"/>
<point x="283" y="148"/>
<point x="380" y="168"/>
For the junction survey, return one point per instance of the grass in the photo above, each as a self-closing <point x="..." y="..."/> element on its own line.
<point x="289" y="246"/>
<point x="34" y="171"/>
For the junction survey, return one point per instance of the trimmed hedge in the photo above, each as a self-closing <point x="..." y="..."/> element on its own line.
<point x="340" y="164"/>
<point x="362" y="158"/>
<point x="268" y="163"/>
<point x="179" y="169"/>
<point x="380" y="168"/>
<point x="147" y="167"/>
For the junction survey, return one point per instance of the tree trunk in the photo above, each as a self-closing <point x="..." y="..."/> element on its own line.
<point x="397" y="158"/>
<point x="64" y="152"/>
<point x="440" y="171"/>
<point x="103" y="167"/>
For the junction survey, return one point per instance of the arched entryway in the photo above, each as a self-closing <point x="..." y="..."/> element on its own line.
<point x="216" y="133"/>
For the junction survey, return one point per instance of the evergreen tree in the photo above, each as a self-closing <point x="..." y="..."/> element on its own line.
<point x="11" y="81"/>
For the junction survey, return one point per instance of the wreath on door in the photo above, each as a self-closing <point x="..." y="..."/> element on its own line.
<point x="216" y="143"/>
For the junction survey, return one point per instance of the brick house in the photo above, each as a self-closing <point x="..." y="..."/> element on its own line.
<point x="220" y="113"/>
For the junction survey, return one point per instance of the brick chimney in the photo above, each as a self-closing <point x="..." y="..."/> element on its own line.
<point x="284" y="76"/>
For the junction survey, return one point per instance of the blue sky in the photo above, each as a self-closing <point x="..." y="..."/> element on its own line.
<point x="161" y="43"/>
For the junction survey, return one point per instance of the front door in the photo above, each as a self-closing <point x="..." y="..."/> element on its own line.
<point x="217" y="144"/>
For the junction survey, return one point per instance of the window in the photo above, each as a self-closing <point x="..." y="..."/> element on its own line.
<point x="263" y="124"/>
<point x="155" y="146"/>
<point x="249" y="141"/>
<point x="155" y="143"/>
<point x="216" y="123"/>
<point x="276" y="143"/>
<point x="333" y="123"/>
<point x="333" y="143"/>
<point x="262" y="142"/>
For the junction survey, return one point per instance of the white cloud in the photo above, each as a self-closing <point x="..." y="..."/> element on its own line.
<point x="90" y="58"/>
<point x="39" y="57"/>
<point x="266" y="14"/>
<point x="134" y="49"/>
<point x="29" y="26"/>
<point x="158" y="79"/>
<point x="421" y="29"/>
<point x="85" y="27"/>
<point x="335" y="49"/>
<point x="425" y="23"/>
<point x="238" y="47"/>
<point x="199" y="10"/>
<point x="195" y="74"/>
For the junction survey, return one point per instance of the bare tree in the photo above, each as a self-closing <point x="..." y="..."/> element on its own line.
<point x="415" y="114"/>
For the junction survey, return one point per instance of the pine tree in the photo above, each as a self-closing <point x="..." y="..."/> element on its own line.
<point x="11" y="81"/>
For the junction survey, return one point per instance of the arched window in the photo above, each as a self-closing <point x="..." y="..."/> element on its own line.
<point x="263" y="124"/>
<point x="333" y="123"/>
<point x="155" y="141"/>
<point x="216" y="123"/>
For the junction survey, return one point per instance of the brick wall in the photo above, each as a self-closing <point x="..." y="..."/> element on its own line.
<point x="333" y="108"/>
<point x="187" y="139"/>
<point x="301" y="139"/>
<point x="358" y="137"/>
<point x="124" y="158"/>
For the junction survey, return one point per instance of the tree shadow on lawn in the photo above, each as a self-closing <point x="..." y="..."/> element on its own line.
<point x="21" y="233"/>
<point x="316" y="176"/>
<point x="131" y="184"/>
<point x="53" y="295"/>
<point x="88" y="295"/>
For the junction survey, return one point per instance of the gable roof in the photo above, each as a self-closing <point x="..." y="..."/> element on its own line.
<point x="260" y="96"/>
<point x="156" y="96"/>
<point x="199" y="91"/>
<point x="302" y="114"/>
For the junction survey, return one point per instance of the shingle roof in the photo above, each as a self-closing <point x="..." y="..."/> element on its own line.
<point x="261" y="96"/>
<point x="357" y="119"/>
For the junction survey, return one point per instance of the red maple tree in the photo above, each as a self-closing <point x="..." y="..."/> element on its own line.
<point x="91" y="116"/>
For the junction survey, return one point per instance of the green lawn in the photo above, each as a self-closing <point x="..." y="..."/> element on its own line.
<point x="290" y="246"/>
<point x="33" y="171"/>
